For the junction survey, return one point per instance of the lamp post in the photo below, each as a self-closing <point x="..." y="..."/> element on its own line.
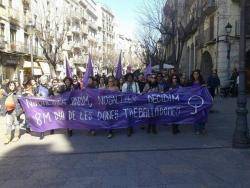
<point x="241" y="133"/>
<point x="30" y="29"/>
<point x="228" y="30"/>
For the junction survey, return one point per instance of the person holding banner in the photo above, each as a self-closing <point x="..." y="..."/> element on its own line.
<point x="197" y="80"/>
<point x="13" y="110"/>
<point x="91" y="85"/>
<point x="68" y="86"/>
<point x="43" y="90"/>
<point x="151" y="86"/>
<point x="175" y="84"/>
<point x="28" y="91"/>
<point x="130" y="87"/>
<point x="111" y="87"/>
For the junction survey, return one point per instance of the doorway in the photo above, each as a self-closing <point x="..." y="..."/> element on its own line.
<point x="206" y="65"/>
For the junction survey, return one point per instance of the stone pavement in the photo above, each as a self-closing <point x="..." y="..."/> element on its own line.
<point x="144" y="160"/>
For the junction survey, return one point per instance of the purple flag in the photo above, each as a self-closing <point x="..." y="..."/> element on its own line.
<point x="118" y="71"/>
<point x="68" y="69"/>
<point x="89" y="72"/>
<point x="148" y="69"/>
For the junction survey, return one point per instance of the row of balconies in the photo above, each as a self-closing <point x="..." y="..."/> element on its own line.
<point x="78" y="14"/>
<point x="78" y="29"/>
<point x="75" y="44"/>
<point x="92" y="25"/>
<point x="19" y="47"/>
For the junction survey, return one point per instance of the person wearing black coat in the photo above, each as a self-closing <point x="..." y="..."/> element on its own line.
<point x="213" y="82"/>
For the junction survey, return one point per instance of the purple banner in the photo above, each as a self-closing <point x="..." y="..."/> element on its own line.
<point x="103" y="109"/>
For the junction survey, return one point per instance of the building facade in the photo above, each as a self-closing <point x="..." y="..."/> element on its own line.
<point x="107" y="56"/>
<point x="15" y="42"/>
<point x="36" y="33"/>
<point x="207" y="44"/>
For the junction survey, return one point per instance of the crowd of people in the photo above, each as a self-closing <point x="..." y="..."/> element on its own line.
<point x="131" y="83"/>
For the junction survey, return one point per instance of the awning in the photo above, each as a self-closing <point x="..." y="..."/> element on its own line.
<point x="45" y="68"/>
<point x="82" y="69"/>
<point x="27" y="64"/>
<point x="37" y="72"/>
<point x="165" y="66"/>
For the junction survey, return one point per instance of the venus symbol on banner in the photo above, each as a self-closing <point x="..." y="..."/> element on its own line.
<point x="192" y="101"/>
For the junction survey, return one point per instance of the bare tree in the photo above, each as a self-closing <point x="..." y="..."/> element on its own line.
<point x="149" y="32"/>
<point x="162" y="18"/>
<point x="51" y="30"/>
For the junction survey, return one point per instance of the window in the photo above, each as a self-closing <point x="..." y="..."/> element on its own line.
<point x="1" y="29"/>
<point x="26" y="39"/>
<point x="36" y="45"/>
<point x="69" y="38"/>
<point x="12" y="36"/>
<point x="10" y="3"/>
<point x="47" y="26"/>
<point x="211" y="31"/>
<point x="35" y="17"/>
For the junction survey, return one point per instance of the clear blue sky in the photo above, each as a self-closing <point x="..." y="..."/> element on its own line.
<point x="125" y="11"/>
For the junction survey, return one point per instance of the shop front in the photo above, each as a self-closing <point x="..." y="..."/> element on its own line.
<point x="27" y="70"/>
<point x="9" y="67"/>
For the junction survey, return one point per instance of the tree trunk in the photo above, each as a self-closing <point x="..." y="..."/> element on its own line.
<point x="53" y="70"/>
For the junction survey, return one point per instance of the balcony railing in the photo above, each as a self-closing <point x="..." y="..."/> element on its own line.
<point x="84" y="29"/>
<point x="77" y="44"/>
<point x="84" y="44"/>
<point x="75" y="29"/>
<point x="76" y="14"/>
<point x="19" y="47"/>
<point x="84" y="15"/>
<point x="93" y="25"/>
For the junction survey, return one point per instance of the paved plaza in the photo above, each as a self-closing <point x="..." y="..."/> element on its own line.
<point x="143" y="160"/>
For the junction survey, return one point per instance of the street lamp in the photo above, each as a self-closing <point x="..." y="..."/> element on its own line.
<point x="30" y="29"/>
<point x="228" y="29"/>
<point x="241" y="133"/>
